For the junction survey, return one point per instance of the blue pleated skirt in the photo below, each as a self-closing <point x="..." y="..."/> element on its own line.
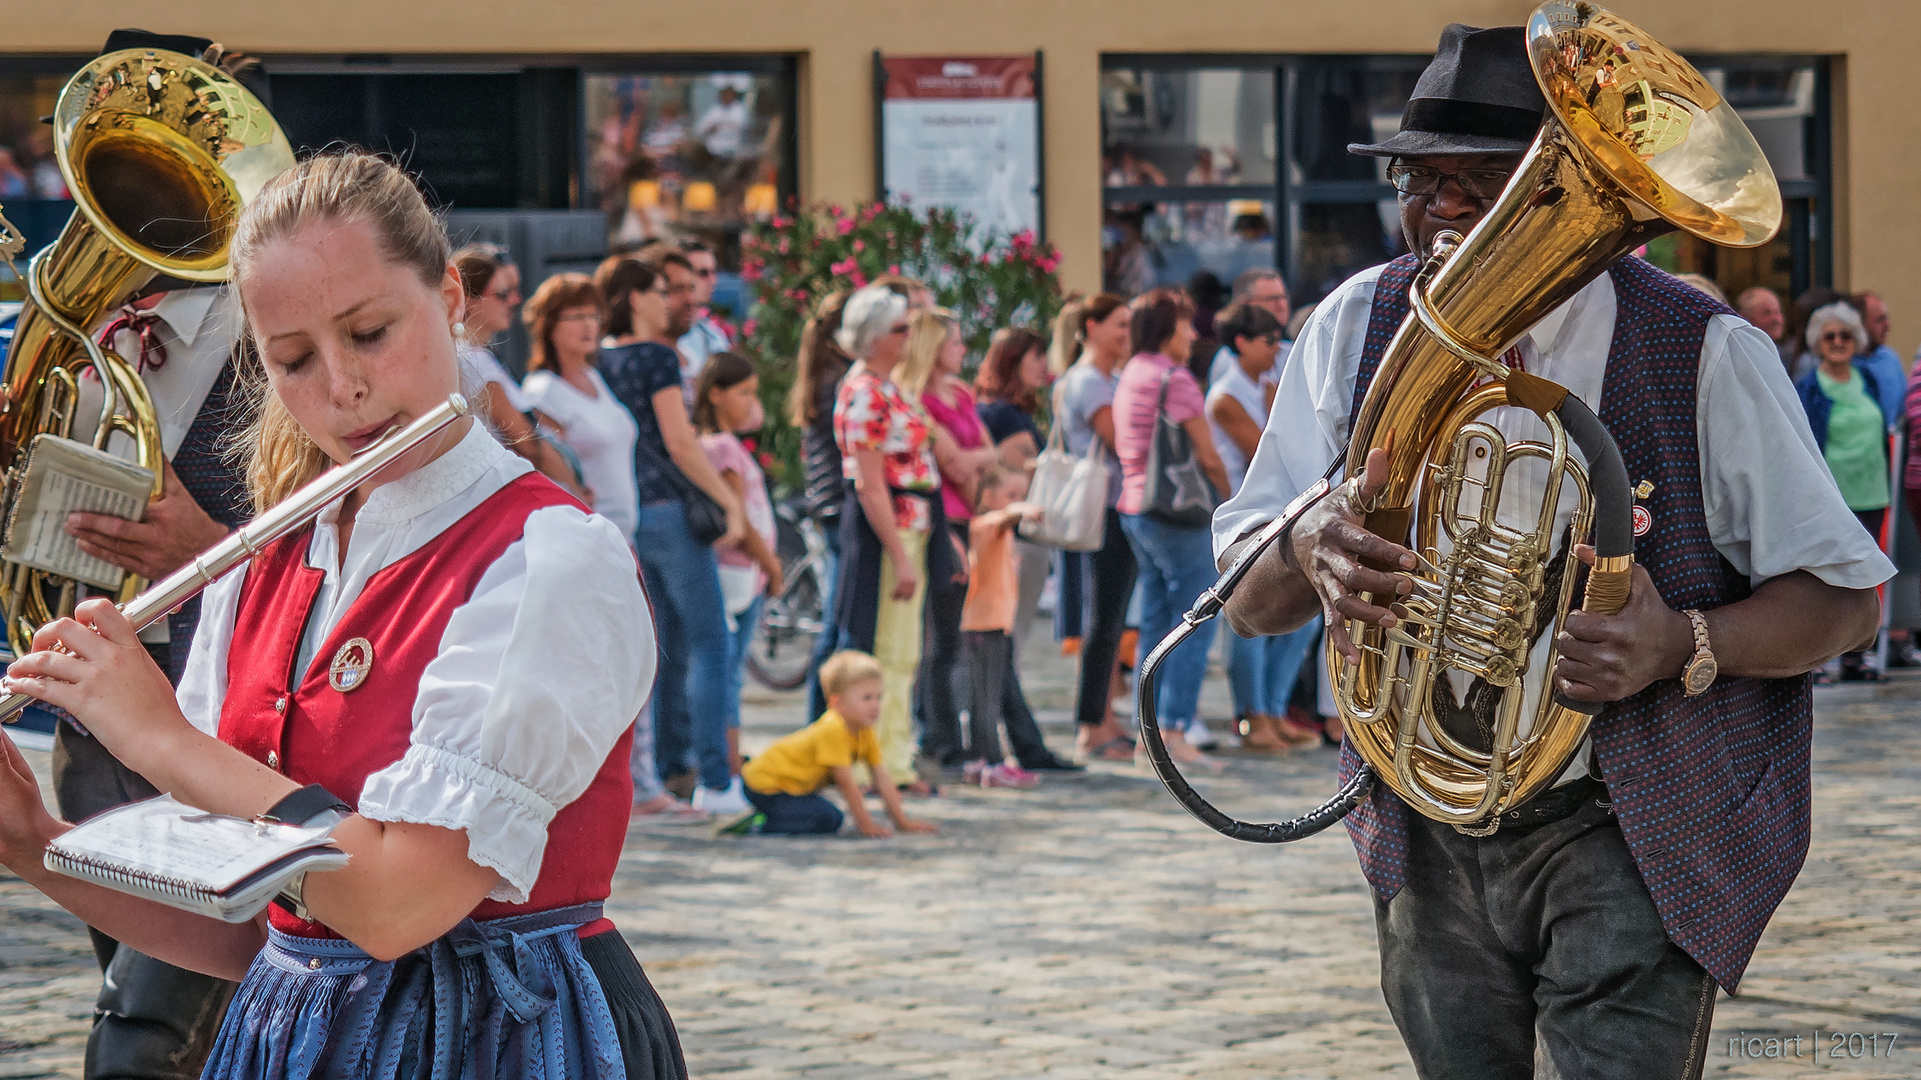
<point x="504" y="998"/>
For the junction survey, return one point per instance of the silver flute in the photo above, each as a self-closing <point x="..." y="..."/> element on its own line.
<point x="294" y="512"/>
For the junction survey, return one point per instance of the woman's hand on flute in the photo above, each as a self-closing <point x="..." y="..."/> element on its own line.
<point x="94" y="666"/>
<point x="25" y="824"/>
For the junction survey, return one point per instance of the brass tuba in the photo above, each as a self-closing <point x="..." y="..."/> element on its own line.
<point x="1636" y="144"/>
<point x="161" y="150"/>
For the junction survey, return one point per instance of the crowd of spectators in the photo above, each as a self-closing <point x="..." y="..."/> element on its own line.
<point x="917" y="475"/>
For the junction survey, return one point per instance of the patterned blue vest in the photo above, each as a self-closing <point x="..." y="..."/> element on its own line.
<point x="1711" y="791"/>
<point x="213" y="478"/>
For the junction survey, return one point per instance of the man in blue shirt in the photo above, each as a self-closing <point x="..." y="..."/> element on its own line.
<point x="1889" y="375"/>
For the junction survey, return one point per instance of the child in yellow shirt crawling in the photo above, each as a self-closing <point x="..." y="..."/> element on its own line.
<point x="785" y="780"/>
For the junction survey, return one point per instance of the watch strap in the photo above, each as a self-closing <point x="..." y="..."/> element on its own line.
<point x="1700" y="623"/>
<point x="304" y="805"/>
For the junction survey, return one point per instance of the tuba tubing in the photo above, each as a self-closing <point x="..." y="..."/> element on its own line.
<point x="1210" y="603"/>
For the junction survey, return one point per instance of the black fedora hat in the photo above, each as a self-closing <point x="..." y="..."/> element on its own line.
<point x="1477" y="97"/>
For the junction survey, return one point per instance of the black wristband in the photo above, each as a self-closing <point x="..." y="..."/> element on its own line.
<point x="304" y="805"/>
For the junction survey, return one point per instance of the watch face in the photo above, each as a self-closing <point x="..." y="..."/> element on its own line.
<point x="1700" y="674"/>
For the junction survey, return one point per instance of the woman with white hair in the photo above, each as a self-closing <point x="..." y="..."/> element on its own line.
<point x="1842" y="399"/>
<point x="887" y="446"/>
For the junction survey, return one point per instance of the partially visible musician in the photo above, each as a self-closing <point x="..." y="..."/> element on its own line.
<point x="373" y="667"/>
<point x="1600" y="917"/>
<point x="154" y="1020"/>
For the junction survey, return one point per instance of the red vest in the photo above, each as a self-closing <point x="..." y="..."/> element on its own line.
<point x="318" y="735"/>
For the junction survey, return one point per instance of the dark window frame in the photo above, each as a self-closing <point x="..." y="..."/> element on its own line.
<point x="1809" y="222"/>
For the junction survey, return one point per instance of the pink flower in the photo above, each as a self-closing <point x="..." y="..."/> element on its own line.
<point x="860" y="245"/>
<point x="845" y="225"/>
<point x="894" y="269"/>
<point x="1050" y="263"/>
<point x="752" y="269"/>
<point x="860" y="279"/>
<point x="833" y="210"/>
<point x="870" y="211"/>
<point x="783" y="245"/>
<point x="845" y="266"/>
<point x="748" y="328"/>
<point x="766" y="460"/>
<point x="781" y="222"/>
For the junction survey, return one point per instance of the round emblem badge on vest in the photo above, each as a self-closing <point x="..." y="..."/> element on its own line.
<point x="351" y="665"/>
<point x="1643" y="521"/>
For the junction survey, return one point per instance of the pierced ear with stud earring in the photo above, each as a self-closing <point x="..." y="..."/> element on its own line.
<point x="460" y="329"/>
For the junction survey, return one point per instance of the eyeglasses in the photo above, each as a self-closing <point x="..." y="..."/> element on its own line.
<point x="678" y="290"/>
<point x="1839" y="335"/>
<point x="1426" y="180"/>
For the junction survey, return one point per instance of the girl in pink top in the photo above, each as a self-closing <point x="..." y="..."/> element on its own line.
<point x="1176" y="561"/>
<point x="727" y="400"/>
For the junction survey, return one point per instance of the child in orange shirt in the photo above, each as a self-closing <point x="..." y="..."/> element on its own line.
<point x="987" y="628"/>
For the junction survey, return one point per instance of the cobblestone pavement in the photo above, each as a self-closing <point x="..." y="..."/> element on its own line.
<point x="1089" y="928"/>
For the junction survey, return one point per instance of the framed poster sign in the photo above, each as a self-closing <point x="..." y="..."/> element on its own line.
<point x="963" y="133"/>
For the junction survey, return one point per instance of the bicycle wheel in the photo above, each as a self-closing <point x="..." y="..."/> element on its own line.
<point x="783" y="642"/>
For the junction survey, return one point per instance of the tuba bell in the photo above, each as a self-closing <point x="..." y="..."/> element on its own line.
<point x="161" y="151"/>
<point x="1636" y="144"/>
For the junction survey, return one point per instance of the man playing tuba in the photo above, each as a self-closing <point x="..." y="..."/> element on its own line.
<point x="1603" y="913"/>
<point x="152" y="1019"/>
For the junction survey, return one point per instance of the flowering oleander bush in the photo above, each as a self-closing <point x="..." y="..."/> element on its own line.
<point x="791" y="262"/>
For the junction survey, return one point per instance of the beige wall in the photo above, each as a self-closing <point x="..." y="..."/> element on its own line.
<point x="1878" y="126"/>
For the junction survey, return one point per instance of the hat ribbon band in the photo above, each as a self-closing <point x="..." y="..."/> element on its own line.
<point x="1448" y="116"/>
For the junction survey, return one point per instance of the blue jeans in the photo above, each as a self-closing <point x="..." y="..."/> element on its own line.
<point x="1262" y="670"/>
<point x="737" y="643"/>
<point x="1175" y="564"/>
<point x="829" y="638"/>
<point x="795" y="815"/>
<point x="683" y="581"/>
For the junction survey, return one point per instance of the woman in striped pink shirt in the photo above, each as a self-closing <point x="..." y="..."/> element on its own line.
<point x="1176" y="561"/>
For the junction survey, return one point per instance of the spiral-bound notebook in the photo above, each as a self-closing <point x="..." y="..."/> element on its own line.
<point x="226" y="868"/>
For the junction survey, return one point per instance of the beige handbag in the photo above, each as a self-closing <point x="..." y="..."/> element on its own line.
<point x="1071" y="492"/>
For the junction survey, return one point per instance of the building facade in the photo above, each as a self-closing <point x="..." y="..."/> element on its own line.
<point x="1174" y="138"/>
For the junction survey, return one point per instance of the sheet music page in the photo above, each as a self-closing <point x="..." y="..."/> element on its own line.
<point x="64" y="476"/>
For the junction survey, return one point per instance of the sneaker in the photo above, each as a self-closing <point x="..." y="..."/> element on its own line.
<point x="1007" y="776"/>
<point x="971" y="771"/>
<point x="1199" y="737"/>
<point x="731" y="799"/>
<point x="746" y="825"/>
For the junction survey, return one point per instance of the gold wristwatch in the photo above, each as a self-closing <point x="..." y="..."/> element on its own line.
<point x="1701" y="669"/>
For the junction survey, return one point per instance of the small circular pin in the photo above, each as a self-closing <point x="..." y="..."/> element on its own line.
<point x="351" y="665"/>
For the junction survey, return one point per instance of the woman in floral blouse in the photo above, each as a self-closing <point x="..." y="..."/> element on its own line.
<point x="889" y="451"/>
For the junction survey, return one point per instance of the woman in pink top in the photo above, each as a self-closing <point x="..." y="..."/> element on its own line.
<point x="1176" y="561"/>
<point x="930" y="368"/>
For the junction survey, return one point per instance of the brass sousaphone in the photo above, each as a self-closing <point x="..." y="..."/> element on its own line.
<point x="161" y="151"/>
<point x="1636" y="144"/>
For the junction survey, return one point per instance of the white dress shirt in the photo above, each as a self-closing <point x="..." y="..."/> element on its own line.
<point x="538" y="673"/>
<point x="1772" y="507"/>
<point x="198" y="328"/>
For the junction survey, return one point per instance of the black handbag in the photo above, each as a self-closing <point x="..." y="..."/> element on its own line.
<point x="1178" y="491"/>
<point x="705" y="518"/>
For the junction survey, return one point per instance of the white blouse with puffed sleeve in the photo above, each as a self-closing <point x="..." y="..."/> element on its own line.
<point x="537" y="676"/>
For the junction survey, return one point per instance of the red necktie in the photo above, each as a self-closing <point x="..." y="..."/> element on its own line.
<point x="146" y="326"/>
